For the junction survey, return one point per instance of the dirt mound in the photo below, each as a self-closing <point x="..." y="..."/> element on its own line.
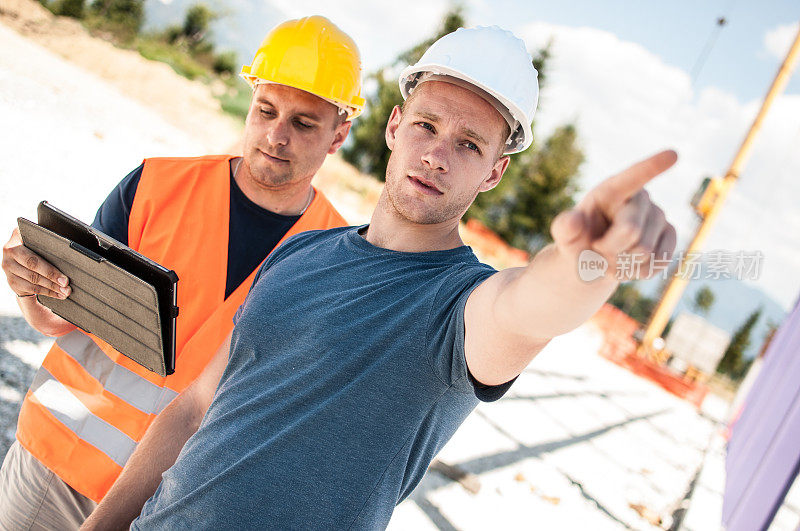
<point x="189" y="105"/>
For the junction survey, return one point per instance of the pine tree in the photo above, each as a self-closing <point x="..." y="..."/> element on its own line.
<point x="70" y="8"/>
<point x="535" y="188"/>
<point x="196" y="23"/>
<point x="733" y="363"/>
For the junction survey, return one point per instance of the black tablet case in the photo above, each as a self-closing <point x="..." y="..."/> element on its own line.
<point x="119" y="295"/>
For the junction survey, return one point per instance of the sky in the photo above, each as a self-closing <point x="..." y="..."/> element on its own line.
<point x="627" y="75"/>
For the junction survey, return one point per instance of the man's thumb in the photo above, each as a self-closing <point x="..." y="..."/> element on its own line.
<point x="568" y="228"/>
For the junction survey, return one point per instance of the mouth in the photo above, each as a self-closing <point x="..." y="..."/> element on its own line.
<point x="274" y="159"/>
<point x="424" y="185"/>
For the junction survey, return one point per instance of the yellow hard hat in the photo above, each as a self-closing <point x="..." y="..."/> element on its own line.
<point x="311" y="54"/>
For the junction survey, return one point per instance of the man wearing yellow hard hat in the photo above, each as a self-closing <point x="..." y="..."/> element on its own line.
<point x="213" y="220"/>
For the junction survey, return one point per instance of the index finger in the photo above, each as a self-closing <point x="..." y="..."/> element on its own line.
<point x="616" y="190"/>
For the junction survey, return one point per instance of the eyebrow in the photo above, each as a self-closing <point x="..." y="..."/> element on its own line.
<point x="310" y="116"/>
<point x="465" y="130"/>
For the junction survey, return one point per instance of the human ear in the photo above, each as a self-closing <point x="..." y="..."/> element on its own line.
<point x="342" y="130"/>
<point x="493" y="179"/>
<point x="392" y="125"/>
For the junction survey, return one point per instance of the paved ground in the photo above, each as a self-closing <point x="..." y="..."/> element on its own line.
<point x="578" y="443"/>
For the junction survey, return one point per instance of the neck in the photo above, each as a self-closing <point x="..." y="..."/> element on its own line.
<point x="389" y="230"/>
<point x="290" y="199"/>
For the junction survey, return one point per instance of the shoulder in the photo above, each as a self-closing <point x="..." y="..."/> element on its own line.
<point x="178" y="166"/>
<point x="451" y="292"/>
<point x="460" y="280"/>
<point x="165" y="178"/>
<point x="311" y="239"/>
<point x="468" y="270"/>
<point x="204" y="159"/>
<point x="305" y="244"/>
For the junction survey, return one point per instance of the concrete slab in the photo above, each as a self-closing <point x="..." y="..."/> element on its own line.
<point x="577" y="443"/>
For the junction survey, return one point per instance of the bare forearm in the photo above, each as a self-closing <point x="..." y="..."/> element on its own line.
<point x="159" y="448"/>
<point x="515" y="312"/>
<point x="548" y="298"/>
<point x="157" y="451"/>
<point x="527" y="307"/>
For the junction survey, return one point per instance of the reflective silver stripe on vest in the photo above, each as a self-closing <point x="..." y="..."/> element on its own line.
<point x="71" y="412"/>
<point x="116" y="379"/>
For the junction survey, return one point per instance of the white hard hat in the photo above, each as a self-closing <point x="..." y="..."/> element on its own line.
<point x="493" y="60"/>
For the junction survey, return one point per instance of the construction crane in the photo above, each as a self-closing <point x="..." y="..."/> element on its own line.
<point x="708" y="204"/>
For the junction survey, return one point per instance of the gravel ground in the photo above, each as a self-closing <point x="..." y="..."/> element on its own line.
<point x="68" y="137"/>
<point x="21" y="351"/>
<point x="187" y="105"/>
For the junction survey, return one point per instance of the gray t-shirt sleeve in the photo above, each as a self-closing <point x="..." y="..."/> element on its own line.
<point x="445" y="338"/>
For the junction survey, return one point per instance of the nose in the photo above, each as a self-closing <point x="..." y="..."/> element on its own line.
<point x="436" y="155"/>
<point x="278" y="132"/>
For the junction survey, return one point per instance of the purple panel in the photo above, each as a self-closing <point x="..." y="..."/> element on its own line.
<point x="764" y="450"/>
<point x="756" y="399"/>
<point x="768" y="400"/>
<point x="769" y="483"/>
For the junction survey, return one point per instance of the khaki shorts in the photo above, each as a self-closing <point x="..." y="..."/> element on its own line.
<point x="33" y="497"/>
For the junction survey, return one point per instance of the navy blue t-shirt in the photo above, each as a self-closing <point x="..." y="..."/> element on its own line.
<point x="346" y="377"/>
<point x="253" y="231"/>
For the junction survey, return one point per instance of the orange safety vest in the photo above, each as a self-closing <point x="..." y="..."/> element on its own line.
<point x="89" y="405"/>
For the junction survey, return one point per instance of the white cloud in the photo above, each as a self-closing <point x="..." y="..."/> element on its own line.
<point x="778" y="39"/>
<point x="381" y="29"/>
<point x="627" y="103"/>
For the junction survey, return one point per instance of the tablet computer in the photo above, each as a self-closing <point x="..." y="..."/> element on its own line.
<point x="118" y="294"/>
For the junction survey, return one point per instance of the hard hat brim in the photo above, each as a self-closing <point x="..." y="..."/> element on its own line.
<point x="352" y="110"/>
<point x="515" y="111"/>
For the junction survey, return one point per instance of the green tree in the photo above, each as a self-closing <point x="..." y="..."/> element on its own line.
<point x="225" y="63"/>
<point x="70" y="8"/>
<point x="629" y="299"/>
<point x="196" y="24"/>
<point x="703" y="300"/>
<point x="367" y="148"/>
<point x="538" y="184"/>
<point x="733" y="363"/>
<point x="123" y="17"/>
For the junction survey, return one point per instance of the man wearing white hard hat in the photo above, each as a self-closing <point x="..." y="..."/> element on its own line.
<point x="397" y="330"/>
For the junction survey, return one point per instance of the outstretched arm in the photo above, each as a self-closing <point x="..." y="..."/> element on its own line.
<point x="514" y="314"/>
<point x="158" y="449"/>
